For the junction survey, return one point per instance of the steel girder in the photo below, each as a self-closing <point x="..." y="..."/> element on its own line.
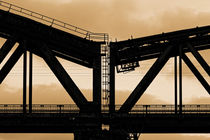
<point x="6" y="48"/>
<point x="10" y="63"/>
<point x="199" y="58"/>
<point x="63" y="77"/>
<point x="196" y="73"/>
<point x="97" y="82"/>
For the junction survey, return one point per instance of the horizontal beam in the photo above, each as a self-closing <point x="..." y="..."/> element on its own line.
<point x="199" y="59"/>
<point x="178" y="35"/>
<point x="10" y="63"/>
<point x="5" y="49"/>
<point x="63" y="77"/>
<point x="196" y="73"/>
<point x="147" y="53"/>
<point x="147" y="80"/>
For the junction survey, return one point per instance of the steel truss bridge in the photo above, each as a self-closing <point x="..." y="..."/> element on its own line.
<point x="100" y="118"/>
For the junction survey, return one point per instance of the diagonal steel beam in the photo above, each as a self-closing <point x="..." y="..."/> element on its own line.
<point x="6" y="48"/>
<point x="147" y="80"/>
<point x="10" y="63"/>
<point x="196" y="73"/>
<point x="63" y="77"/>
<point x="199" y="58"/>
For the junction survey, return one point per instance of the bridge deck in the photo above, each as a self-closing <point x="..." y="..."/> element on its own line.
<point x="57" y="120"/>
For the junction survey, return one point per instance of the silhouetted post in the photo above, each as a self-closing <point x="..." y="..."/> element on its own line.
<point x="30" y="80"/>
<point x="180" y="80"/>
<point x="175" y="82"/>
<point x="24" y="79"/>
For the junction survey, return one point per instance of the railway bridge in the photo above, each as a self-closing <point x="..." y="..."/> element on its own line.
<point x="100" y="118"/>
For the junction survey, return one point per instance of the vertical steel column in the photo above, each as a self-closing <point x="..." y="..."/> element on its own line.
<point x="180" y="80"/>
<point x="24" y="79"/>
<point x="30" y="80"/>
<point x="97" y="82"/>
<point x="112" y="82"/>
<point x="175" y="82"/>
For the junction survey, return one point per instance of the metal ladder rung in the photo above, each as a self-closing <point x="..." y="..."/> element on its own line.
<point x="105" y="74"/>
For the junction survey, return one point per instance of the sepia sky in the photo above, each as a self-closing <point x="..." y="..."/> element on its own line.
<point x="121" y="19"/>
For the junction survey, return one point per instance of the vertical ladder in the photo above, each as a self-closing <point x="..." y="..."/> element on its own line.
<point x="105" y="51"/>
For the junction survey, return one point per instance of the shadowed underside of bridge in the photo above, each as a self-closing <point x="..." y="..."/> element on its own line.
<point x="49" y="42"/>
<point x="66" y="118"/>
<point x="72" y="123"/>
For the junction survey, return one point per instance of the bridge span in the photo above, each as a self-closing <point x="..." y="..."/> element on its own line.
<point x="100" y="118"/>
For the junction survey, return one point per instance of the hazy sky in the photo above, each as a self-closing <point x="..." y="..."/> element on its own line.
<point x="121" y="19"/>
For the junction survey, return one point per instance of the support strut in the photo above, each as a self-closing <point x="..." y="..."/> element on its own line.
<point x="97" y="83"/>
<point x="175" y="82"/>
<point x="10" y="63"/>
<point x="30" y="80"/>
<point x="24" y="79"/>
<point x="196" y="73"/>
<point x="199" y="59"/>
<point x="6" y="48"/>
<point x="63" y="77"/>
<point x="180" y="80"/>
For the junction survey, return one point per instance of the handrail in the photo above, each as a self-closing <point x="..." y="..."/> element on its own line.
<point x="54" y="22"/>
<point x="142" y="109"/>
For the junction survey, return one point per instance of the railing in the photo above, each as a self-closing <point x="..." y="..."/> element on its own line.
<point x="54" y="22"/>
<point x="170" y="109"/>
<point x="40" y="108"/>
<point x="138" y="109"/>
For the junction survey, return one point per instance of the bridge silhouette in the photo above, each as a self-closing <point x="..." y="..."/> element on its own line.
<point x="100" y="118"/>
